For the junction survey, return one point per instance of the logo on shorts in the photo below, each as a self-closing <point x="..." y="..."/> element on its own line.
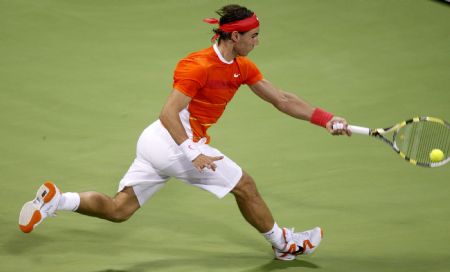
<point x="236" y="75"/>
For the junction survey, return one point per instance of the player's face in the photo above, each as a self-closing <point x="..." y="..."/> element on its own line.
<point x="246" y="42"/>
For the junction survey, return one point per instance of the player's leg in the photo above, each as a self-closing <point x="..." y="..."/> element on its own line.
<point x="256" y="212"/>
<point x="116" y="209"/>
<point x="119" y="208"/>
<point x="140" y="182"/>
<point x="286" y="243"/>
<point x="229" y="177"/>
<point x="251" y="204"/>
<point x="49" y="200"/>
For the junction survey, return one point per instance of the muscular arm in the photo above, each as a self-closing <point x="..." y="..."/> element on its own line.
<point x="170" y="117"/>
<point x="283" y="101"/>
<point x="292" y="105"/>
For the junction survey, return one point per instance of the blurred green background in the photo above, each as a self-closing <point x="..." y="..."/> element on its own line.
<point x="79" y="81"/>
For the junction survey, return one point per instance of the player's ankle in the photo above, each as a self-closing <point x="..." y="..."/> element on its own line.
<point x="275" y="237"/>
<point x="69" y="202"/>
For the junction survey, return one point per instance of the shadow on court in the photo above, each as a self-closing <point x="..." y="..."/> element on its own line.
<point x="20" y="243"/>
<point x="232" y="263"/>
<point x="275" y="265"/>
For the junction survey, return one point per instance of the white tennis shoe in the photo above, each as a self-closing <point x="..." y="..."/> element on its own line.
<point x="298" y="243"/>
<point x="44" y="205"/>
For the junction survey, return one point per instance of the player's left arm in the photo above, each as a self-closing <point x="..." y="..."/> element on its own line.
<point x="293" y="105"/>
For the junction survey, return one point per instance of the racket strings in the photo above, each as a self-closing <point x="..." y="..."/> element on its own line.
<point x="416" y="140"/>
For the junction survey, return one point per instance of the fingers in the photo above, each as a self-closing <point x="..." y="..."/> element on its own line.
<point x="348" y="132"/>
<point x="211" y="166"/>
<point x="204" y="161"/>
<point x="341" y="130"/>
<point x="338" y="126"/>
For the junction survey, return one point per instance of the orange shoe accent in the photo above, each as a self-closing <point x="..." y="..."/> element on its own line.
<point x="34" y="219"/>
<point x="321" y="233"/>
<point x="51" y="191"/>
<point x="292" y="249"/>
<point x="307" y="243"/>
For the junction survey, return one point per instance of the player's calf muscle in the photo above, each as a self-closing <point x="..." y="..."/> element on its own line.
<point x="117" y="209"/>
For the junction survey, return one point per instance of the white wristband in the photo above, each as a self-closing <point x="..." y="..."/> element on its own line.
<point x="190" y="149"/>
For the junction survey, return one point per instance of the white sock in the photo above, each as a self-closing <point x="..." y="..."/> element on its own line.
<point x="69" y="202"/>
<point x="275" y="237"/>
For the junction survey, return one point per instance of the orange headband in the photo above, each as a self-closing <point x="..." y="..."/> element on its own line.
<point x="243" y="25"/>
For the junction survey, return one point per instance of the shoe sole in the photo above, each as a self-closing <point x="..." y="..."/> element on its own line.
<point x="30" y="215"/>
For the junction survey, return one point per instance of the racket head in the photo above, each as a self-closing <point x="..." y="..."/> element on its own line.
<point x="414" y="139"/>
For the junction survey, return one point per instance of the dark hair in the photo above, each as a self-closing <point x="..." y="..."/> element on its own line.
<point x="231" y="13"/>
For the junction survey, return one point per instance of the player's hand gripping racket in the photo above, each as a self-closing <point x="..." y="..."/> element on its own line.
<point x="414" y="139"/>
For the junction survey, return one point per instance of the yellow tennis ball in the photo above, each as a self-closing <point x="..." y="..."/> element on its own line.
<point x="436" y="155"/>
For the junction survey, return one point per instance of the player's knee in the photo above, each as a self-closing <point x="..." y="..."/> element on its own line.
<point x="246" y="188"/>
<point x="125" y="204"/>
<point x="120" y="215"/>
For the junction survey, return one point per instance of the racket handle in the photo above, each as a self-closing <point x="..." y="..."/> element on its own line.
<point x="353" y="129"/>
<point x="359" y="130"/>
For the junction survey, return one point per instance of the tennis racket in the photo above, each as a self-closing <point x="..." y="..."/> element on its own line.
<point x="413" y="139"/>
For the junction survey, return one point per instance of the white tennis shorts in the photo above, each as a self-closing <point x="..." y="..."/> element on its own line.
<point x="158" y="158"/>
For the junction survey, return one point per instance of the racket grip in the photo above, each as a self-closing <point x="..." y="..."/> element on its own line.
<point x="353" y="129"/>
<point x="359" y="130"/>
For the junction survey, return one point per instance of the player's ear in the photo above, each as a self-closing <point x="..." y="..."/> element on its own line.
<point x="235" y="36"/>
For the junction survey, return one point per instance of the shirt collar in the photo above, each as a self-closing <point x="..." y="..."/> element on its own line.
<point x="222" y="59"/>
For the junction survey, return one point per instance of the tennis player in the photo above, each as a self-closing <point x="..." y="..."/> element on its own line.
<point x="177" y="144"/>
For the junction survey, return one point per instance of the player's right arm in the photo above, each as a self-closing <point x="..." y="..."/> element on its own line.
<point x="170" y="119"/>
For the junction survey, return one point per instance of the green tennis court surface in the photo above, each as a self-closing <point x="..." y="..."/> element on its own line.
<point x="79" y="81"/>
